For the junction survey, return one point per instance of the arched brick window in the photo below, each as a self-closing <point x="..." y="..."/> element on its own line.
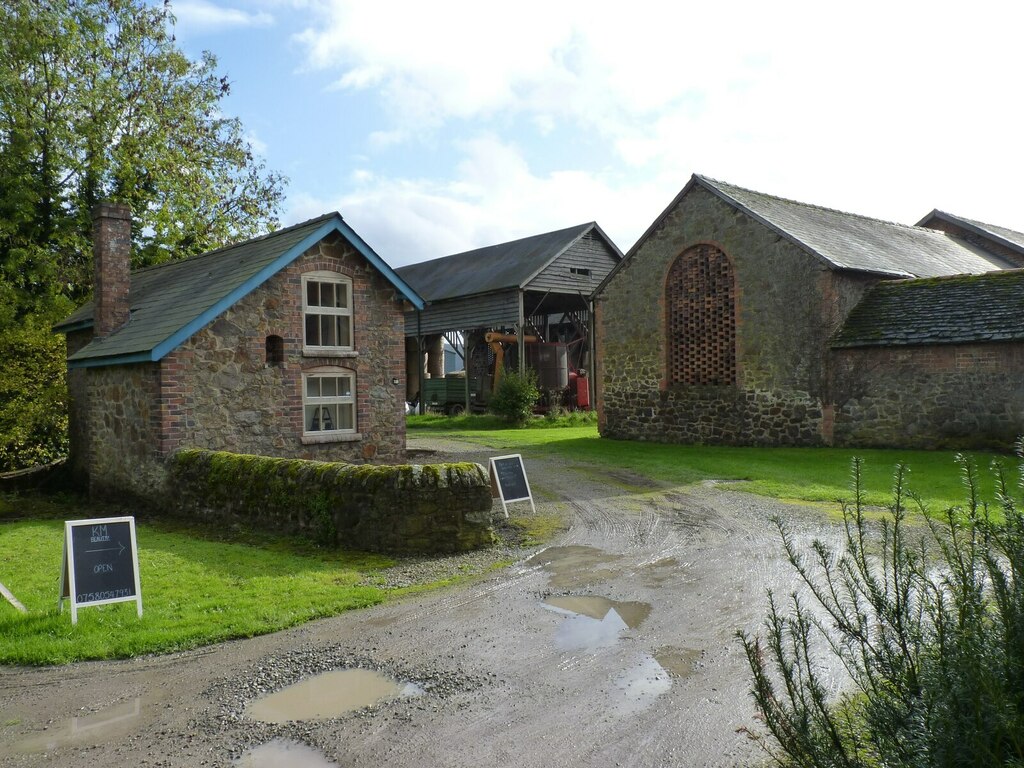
<point x="701" y="323"/>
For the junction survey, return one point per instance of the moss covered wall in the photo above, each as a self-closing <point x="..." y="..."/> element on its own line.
<point x="399" y="508"/>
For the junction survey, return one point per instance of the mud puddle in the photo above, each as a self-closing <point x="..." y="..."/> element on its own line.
<point x="575" y="566"/>
<point x="640" y="685"/>
<point x="594" y="622"/>
<point x="280" y="753"/>
<point x="101" y="726"/>
<point x="329" y="694"/>
<point x="679" y="662"/>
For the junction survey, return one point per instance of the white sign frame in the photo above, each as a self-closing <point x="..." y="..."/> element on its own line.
<point x="496" y="482"/>
<point x="67" y="574"/>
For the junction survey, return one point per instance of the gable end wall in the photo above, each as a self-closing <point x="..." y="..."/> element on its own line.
<point x="218" y="392"/>
<point x="787" y="304"/>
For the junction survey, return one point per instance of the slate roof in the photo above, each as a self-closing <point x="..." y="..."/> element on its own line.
<point x="849" y="241"/>
<point x="1007" y="237"/>
<point x="941" y="310"/>
<point x="169" y="302"/>
<point x="493" y="268"/>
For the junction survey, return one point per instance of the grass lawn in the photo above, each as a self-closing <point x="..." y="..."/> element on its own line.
<point x="805" y="474"/>
<point x="204" y="585"/>
<point x="196" y="589"/>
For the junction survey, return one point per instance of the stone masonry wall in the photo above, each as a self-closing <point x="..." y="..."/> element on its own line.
<point x="219" y="393"/>
<point x="956" y="396"/>
<point x="787" y="303"/>
<point x="400" y="509"/>
<point x="122" y="423"/>
<point x="78" y="413"/>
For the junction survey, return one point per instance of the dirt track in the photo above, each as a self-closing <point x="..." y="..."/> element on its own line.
<point x="517" y="669"/>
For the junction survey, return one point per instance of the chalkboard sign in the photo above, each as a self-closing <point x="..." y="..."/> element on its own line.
<point x="100" y="563"/>
<point x="508" y="481"/>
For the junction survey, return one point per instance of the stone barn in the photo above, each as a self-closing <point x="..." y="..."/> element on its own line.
<point x="746" y="319"/>
<point x="289" y="345"/>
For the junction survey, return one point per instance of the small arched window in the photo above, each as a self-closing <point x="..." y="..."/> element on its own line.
<point x="700" y="299"/>
<point x="275" y="350"/>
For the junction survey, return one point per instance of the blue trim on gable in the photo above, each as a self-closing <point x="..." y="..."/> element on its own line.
<point x="282" y="261"/>
<point x="172" y="342"/>
<point x="382" y="266"/>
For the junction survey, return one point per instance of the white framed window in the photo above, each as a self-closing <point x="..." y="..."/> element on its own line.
<point x="327" y="313"/>
<point x="329" y="402"/>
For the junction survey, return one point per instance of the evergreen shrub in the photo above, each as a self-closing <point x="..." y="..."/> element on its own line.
<point x="925" y="623"/>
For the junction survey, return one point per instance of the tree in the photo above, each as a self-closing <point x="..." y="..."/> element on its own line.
<point x="97" y="102"/>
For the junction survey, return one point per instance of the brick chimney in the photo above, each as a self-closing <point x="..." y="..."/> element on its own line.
<point x="111" y="250"/>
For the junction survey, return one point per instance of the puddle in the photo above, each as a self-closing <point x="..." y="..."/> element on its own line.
<point x="632" y="613"/>
<point x="594" y="622"/>
<point x="283" y="754"/>
<point x="678" y="662"/>
<point x="575" y="566"/>
<point x="330" y="694"/>
<point x="641" y="685"/>
<point x="96" y="728"/>
<point x="660" y="571"/>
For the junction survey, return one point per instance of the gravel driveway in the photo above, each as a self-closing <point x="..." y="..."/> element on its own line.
<point x="613" y="646"/>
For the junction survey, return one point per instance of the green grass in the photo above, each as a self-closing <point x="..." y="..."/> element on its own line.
<point x="201" y="585"/>
<point x="195" y="591"/>
<point x="802" y="474"/>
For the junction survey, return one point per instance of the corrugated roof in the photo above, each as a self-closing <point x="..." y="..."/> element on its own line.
<point x="493" y="268"/>
<point x="849" y="241"/>
<point x="940" y="310"/>
<point x="171" y="301"/>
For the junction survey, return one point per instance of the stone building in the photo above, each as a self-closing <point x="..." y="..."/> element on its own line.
<point x="287" y="345"/>
<point x="743" y="318"/>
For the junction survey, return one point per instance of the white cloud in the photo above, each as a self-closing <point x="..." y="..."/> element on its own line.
<point x="491" y="198"/>
<point x="876" y="108"/>
<point x="205" y="16"/>
<point x="258" y="145"/>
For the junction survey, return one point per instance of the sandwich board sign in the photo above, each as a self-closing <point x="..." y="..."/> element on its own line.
<point x="101" y="564"/>
<point x="508" y="481"/>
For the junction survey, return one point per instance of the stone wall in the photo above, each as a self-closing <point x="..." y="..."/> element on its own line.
<point x="791" y="389"/>
<point x="218" y="391"/>
<point x="786" y="302"/>
<point x="122" y="423"/>
<point x="955" y="396"/>
<point x="398" y="509"/>
<point x="78" y="414"/>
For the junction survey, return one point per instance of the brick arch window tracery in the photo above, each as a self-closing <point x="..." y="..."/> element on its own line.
<point x="700" y="297"/>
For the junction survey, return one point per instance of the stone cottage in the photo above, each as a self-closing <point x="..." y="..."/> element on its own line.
<point x="288" y="345"/>
<point x="743" y="318"/>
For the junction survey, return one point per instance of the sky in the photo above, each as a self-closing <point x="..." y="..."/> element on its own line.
<point x="436" y="128"/>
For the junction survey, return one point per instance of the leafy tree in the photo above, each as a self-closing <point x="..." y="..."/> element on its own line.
<point x="97" y="102"/>
<point x="931" y="639"/>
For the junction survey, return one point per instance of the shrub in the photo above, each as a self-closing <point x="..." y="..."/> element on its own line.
<point x="516" y="396"/>
<point x="927" y="623"/>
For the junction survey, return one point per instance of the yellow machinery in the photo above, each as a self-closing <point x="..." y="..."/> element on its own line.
<point x="497" y="342"/>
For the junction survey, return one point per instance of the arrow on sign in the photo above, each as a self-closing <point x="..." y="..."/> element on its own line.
<point x="110" y="549"/>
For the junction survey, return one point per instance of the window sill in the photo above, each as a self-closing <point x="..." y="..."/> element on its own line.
<point x="331" y="437"/>
<point x="315" y="352"/>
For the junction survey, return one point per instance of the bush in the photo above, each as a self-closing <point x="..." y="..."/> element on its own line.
<point x="929" y="626"/>
<point x="516" y="396"/>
